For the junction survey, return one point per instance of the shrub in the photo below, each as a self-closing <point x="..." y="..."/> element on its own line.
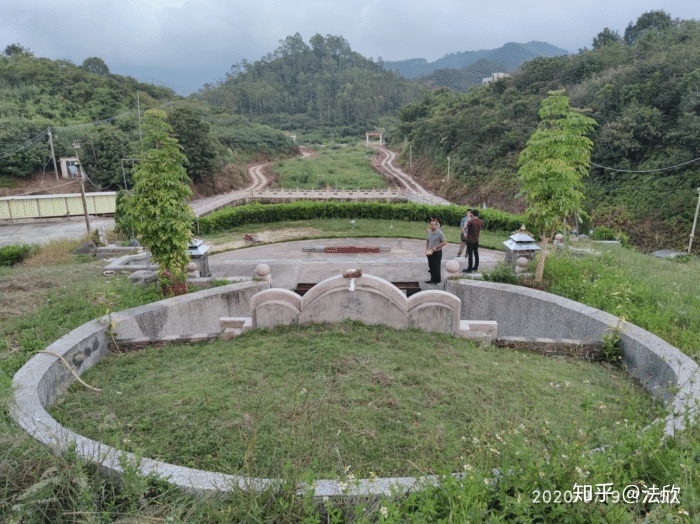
<point x="502" y="273"/>
<point x="229" y="217"/>
<point x="603" y="233"/>
<point x="11" y="255"/>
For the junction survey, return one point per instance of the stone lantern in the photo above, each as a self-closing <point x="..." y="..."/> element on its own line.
<point x="520" y="244"/>
<point x="198" y="255"/>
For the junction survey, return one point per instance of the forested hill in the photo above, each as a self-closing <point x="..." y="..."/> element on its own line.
<point x="508" y="56"/>
<point x="320" y="84"/>
<point x="643" y="89"/>
<point x="38" y="93"/>
<point x="90" y="104"/>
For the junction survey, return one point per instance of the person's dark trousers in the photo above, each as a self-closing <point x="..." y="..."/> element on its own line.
<point x="473" y="254"/>
<point x="434" y="262"/>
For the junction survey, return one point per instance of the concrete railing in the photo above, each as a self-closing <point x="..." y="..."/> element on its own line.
<point x="290" y="195"/>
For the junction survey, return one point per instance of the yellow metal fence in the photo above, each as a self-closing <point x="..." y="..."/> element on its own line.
<point x="47" y="206"/>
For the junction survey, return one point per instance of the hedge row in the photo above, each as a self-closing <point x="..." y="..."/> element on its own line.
<point x="230" y="217"/>
<point x="14" y="254"/>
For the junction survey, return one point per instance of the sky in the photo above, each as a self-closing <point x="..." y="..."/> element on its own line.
<point x="184" y="44"/>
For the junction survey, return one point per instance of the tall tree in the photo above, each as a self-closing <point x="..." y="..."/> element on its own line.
<point x="95" y="65"/>
<point x="606" y="37"/>
<point x="192" y="132"/>
<point x="157" y="207"/>
<point x="17" y="50"/>
<point x="552" y="167"/>
<point x="651" y="20"/>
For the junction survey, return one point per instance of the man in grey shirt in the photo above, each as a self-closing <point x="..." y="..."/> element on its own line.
<point x="433" y="249"/>
<point x="463" y="232"/>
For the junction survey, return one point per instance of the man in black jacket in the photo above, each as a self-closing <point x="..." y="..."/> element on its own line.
<point x="473" y="230"/>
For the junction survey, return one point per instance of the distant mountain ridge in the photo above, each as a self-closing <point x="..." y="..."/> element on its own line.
<point x="511" y="55"/>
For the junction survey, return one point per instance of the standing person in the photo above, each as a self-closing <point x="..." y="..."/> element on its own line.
<point x="473" y="230"/>
<point x="463" y="232"/>
<point x="433" y="250"/>
<point x="439" y="226"/>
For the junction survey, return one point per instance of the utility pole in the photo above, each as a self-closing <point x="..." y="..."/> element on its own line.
<point x="695" y="222"/>
<point x="138" y="109"/>
<point x="410" y="156"/>
<point x="448" y="168"/>
<point x="81" y="176"/>
<point x="53" y="155"/>
<point x="124" y="175"/>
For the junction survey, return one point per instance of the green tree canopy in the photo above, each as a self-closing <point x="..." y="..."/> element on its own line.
<point x="95" y="65"/>
<point x="606" y="37"/>
<point x="192" y="132"/>
<point x="552" y="167"/>
<point x="157" y="207"/>
<point x="651" y="20"/>
<point x="17" y="49"/>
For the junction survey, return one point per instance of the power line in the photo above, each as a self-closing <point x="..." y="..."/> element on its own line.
<point x="34" y="140"/>
<point x="646" y="170"/>
<point x="25" y="145"/>
<point x="96" y="123"/>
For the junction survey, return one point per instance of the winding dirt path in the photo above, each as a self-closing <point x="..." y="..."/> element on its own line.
<point x="259" y="181"/>
<point x="403" y="179"/>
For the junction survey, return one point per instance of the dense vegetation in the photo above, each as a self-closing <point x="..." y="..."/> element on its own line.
<point x="642" y="89"/>
<point x="320" y="85"/>
<point x="100" y="109"/>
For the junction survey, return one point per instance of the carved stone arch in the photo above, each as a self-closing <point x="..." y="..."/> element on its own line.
<point x="275" y="307"/>
<point x="373" y="300"/>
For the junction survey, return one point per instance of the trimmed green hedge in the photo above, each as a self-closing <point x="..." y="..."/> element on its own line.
<point x="11" y="255"/>
<point x="256" y="213"/>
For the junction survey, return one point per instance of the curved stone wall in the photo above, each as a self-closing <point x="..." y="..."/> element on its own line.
<point x="663" y="369"/>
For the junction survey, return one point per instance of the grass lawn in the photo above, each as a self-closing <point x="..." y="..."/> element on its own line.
<point x="323" y="397"/>
<point x="659" y="295"/>
<point x="342" y="166"/>
<point x="360" y="228"/>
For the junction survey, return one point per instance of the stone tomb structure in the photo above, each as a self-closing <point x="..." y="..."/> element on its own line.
<point x="371" y="300"/>
<point x="228" y="310"/>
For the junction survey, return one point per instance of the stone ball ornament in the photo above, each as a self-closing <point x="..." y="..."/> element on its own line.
<point x="262" y="270"/>
<point x="452" y="267"/>
<point x="521" y="265"/>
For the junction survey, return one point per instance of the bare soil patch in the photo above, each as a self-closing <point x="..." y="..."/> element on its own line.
<point x="270" y="236"/>
<point x="41" y="185"/>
